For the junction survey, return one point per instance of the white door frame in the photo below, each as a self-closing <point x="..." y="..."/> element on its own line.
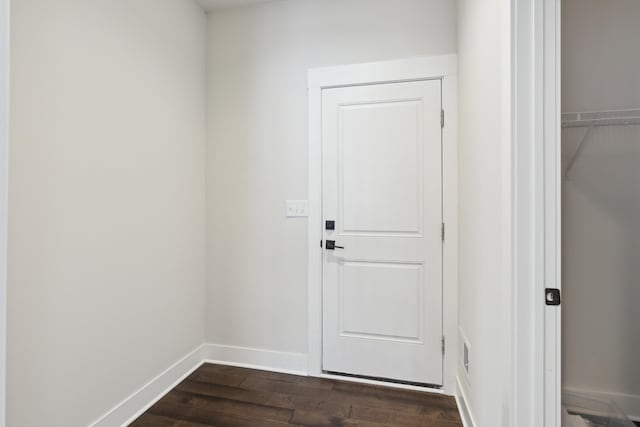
<point x="4" y="188"/>
<point x="437" y="67"/>
<point x="552" y="231"/>
<point x="535" y="389"/>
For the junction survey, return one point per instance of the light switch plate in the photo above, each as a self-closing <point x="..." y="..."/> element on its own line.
<point x="297" y="208"/>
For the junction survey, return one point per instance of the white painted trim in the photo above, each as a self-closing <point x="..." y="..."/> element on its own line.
<point x="552" y="183"/>
<point x="507" y="199"/>
<point x="314" y="233"/>
<point x="4" y="191"/>
<point x="535" y="336"/>
<point x="437" y="67"/>
<point x="287" y="363"/>
<point x="138" y="402"/>
<point x="628" y="403"/>
<point x="450" y="218"/>
<point x="383" y="72"/>
<point x="268" y="360"/>
<point x="382" y="383"/>
<point x="527" y="351"/>
<point x="463" y="406"/>
<point x="141" y="400"/>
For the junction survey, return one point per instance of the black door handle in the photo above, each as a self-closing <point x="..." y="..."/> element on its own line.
<point x="331" y="245"/>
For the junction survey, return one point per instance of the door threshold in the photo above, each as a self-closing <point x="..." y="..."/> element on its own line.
<point x="383" y="382"/>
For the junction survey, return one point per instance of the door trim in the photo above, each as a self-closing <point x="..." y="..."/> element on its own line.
<point x="437" y="67"/>
<point x="535" y="389"/>
<point x="552" y="227"/>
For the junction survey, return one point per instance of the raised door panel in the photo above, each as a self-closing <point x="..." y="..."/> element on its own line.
<point x="380" y="184"/>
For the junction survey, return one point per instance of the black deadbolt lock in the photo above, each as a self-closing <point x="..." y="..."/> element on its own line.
<point x="329" y="225"/>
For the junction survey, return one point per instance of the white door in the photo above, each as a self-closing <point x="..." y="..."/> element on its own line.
<point x="382" y="187"/>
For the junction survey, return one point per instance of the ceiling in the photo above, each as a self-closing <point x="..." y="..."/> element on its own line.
<point x="210" y="5"/>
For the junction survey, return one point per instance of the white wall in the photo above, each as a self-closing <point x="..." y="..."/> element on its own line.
<point x="484" y="201"/>
<point x="257" y="145"/>
<point x="601" y="203"/>
<point x="107" y="200"/>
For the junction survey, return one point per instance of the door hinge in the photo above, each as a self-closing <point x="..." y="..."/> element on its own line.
<point x="442" y="231"/>
<point x="442" y="118"/>
<point x="443" y="345"/>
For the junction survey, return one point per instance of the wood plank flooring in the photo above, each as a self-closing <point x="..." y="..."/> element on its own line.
<point x="226" y="396"/>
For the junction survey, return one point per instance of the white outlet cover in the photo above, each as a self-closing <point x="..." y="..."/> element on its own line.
<point x="297" y="208"/>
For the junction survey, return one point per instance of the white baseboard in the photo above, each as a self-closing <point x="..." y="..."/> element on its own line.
<point x="277" y="361"/>
<point x="463" y="406"/>
<point x="291" y="363"/>
<point x="137" y="403"/>
<point x="629" y="403"/>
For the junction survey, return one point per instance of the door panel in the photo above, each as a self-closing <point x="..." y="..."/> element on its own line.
<point x="394" y="288"/>
<point x="382" y="184"/>
<point x="380" y="196"/>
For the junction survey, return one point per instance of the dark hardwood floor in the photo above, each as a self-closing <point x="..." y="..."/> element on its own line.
<point x="225" y="396"/>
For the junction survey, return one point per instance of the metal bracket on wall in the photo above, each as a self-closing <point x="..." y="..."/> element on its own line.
<point x="581" y="146"/>
<point x="594" y="119"/>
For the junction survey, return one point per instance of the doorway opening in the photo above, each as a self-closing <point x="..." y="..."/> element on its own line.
<point x="600" y="177"/>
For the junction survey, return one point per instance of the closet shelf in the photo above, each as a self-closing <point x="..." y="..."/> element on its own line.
<point x="593" y="119"/>
<point x="601" y="118"/>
